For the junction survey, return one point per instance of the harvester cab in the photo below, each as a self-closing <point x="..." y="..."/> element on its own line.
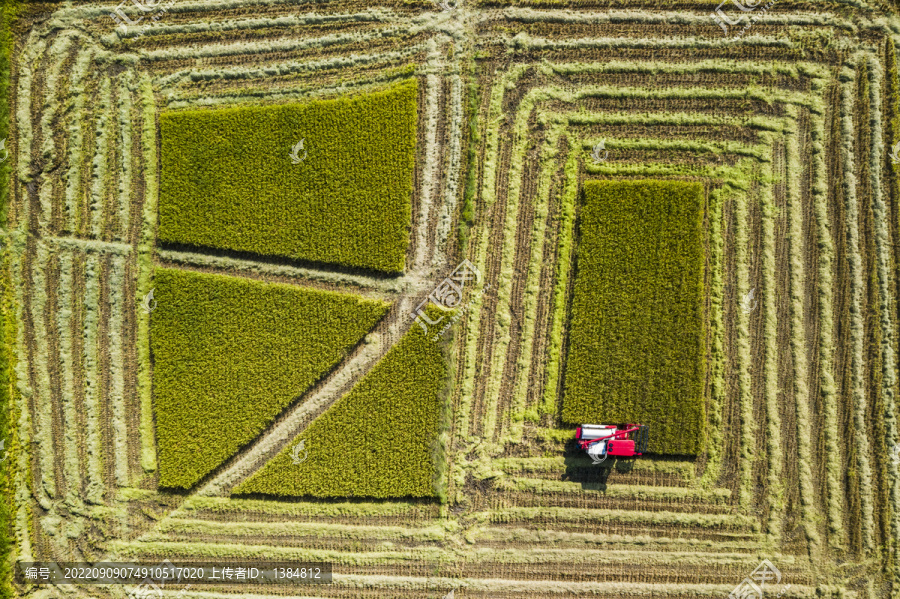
<point x="620" y="441"/>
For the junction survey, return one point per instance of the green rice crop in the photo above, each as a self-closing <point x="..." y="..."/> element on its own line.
<point x="230" y="354"/>
<point x="636" y="343"/>
<point x="228" y="180"/>
<point x="377" y="441"/>
<point x="8" y="10"/>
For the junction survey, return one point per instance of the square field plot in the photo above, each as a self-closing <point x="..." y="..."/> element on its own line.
<point x="229" y="180"/>
<point x="636" y="342"/>
<point x="231" y="353"/>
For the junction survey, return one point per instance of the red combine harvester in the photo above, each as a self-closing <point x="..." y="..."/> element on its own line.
<point x="618" y="441"/>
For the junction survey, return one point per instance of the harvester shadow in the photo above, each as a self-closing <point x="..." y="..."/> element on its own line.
<point x="593" y="477"/>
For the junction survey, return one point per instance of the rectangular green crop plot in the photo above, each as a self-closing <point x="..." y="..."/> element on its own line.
<point x="237" y="179"/>
<point x="231" y="353"/>
<point x="636" y="343"/>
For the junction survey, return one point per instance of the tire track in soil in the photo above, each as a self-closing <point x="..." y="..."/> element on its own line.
<point x="547" y="282"/>
<point x="30" y="210"/>
<point x="584" y="474"/>
<point x="106" y="426"/>
<point x="421" y="146"/>
<point x="596" y="500"/>
<point x="442" y="141"/>
<point x="655" y="531"/>
<point x="714" y="132"/>
<point x="718" y="80"/>
<point x="138" y="192"/>
<point x="77" y="365"/>
<point x="303" y="541"/>
<point x="569" y="294"/>
<point x="585" y="572"/>
<point x="327" y="77"/>
<point x="702" y="460"/>
<point x="82" y="217"/>
<point x="131" y="396"/>
<point x="41" y="547"/>
<point x="112" y="133"/>
<point x="54" y="395"/>
<point x="61" y="141"/>
<point x="811" y="323"/>
<point x="476" y="163"/>
<point x="891" y="214"/>
<point x="858" y="148"/>
<point x="731" y="410"/>
<point x="757" y="342"/>
<point x="842" y="375"/>
<point x="873" y="354"/>
<point x="261" y="517"/>
<point x="787" y="407"/>
<point x="37" y="162"/>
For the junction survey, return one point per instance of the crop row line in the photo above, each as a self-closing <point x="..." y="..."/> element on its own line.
<point x="714" y="496"/>
<point x="240" y="75"/>
<point x="854" y="264"/>
<point x="380" y="555"/>
<point x="885" y="280"/>
<point x="75" y="134"/>
<point x="144" y="267"/>
<point x="42" y="401"/>
<point x="773" y="415"/>
<point x="513" y="419"/>
<point x="70" y="425"/>
<point x="529" y="588"/>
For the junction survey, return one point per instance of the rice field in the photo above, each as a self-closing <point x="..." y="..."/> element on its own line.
<point x="636" y="343"/>
<point x="196" y="321"/>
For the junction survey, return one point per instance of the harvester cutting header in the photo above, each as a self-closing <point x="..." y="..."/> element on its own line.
<point x="619" y="441"/>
